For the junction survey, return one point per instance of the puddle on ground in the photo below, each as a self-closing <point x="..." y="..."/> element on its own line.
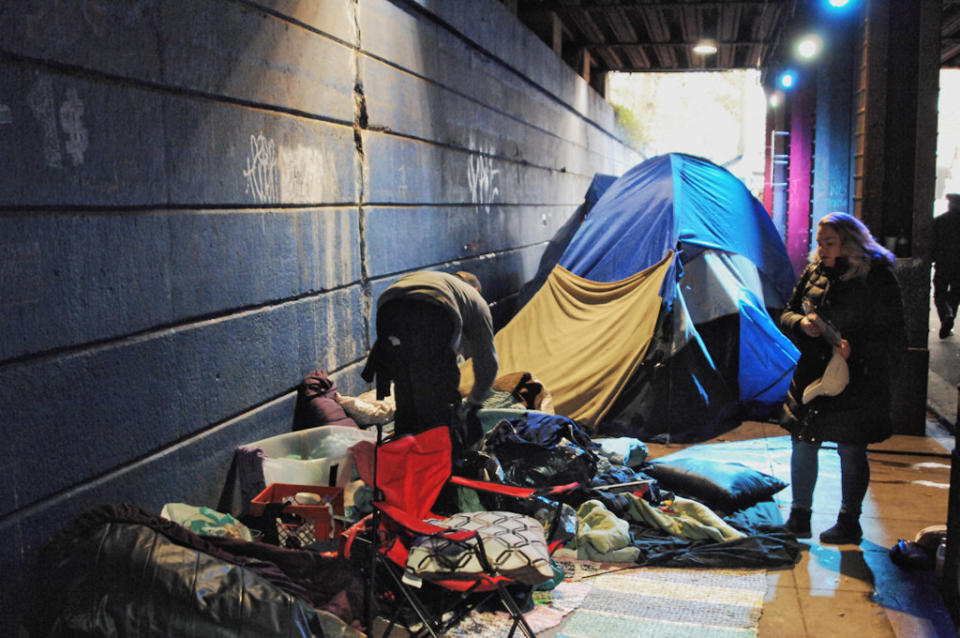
<point x="945" y="486"/>
<point x="931" y="466"/>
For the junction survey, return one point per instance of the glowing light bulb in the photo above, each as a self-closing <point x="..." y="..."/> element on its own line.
<point x="809" y="46"/>
<point x="705" y="47"/>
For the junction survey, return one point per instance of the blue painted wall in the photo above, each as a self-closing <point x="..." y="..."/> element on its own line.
<point x="201" y="200"/>
<point x="833" y="160"/>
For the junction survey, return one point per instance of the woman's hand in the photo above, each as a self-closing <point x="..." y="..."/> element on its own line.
<point x="810" y="326"/>
<point x="843" y="349"/>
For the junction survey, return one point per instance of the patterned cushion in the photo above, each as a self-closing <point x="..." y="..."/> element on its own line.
<point x="514" y="544"/>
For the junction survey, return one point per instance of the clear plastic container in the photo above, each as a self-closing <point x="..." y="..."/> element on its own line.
<point x="318" y="456"/>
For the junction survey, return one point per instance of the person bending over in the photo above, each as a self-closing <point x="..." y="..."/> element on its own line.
<point x="424" y="321"/>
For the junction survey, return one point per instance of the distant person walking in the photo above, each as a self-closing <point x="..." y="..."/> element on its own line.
<point x="946" y="262"/>
<point x="846" y="318"/>
<point x="424" y="321"/>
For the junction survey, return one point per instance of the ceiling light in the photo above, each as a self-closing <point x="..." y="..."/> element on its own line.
<point x="809" y="46"/>
<point x="775" y="99"/>
<point x="839" y="3"/>
<point x="705" y="47"/>
<point x="787" y="79"/>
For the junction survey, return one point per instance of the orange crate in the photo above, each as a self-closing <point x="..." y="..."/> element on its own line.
<point x="319" y="514"/>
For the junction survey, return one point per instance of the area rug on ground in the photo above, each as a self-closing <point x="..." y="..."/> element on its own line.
<point x="670" y="603"/>
<point x="606" y="600"/>
<point x="562" y="600"/>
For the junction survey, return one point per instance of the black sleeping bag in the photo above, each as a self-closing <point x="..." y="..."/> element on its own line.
<point x="119" y="571"/>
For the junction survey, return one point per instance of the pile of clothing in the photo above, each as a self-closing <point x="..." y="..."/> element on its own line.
<point x="119" y="570"/>
<point x="684" y="512"/>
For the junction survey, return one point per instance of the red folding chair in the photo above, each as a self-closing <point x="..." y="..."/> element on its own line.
<point x="438" y="569"/>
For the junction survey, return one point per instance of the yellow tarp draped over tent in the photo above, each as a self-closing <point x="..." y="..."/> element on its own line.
<point x="582" y="339"/>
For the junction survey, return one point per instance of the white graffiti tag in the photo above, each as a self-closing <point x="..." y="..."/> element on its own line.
<point x="482" y="178"/>
<point x="304" y="172"/>
<point x="77" y="140"/>
<point x="40" y="101"/>
<point x="262" y="173"/>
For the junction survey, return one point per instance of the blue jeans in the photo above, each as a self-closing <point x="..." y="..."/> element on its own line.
<point x="854" y="474"/>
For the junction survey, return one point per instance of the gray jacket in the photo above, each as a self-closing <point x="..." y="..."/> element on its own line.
<point x="473" y="325"/>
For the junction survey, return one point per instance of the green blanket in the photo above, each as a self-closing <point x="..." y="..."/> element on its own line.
<point x="603" y="536"/>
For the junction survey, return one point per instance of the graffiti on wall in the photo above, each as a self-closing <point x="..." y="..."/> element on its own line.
<point x="71" y="114"/>
<point x="275" y="172"/>
<point x="67" y="119"/>
<point x="41" y="103"/>
<point x="302" y="171"/>
<point x="262" y="175"/>
<point x="482" y="178"/>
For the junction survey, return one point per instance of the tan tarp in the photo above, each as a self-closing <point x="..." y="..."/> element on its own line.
<point x="582" y="339"/>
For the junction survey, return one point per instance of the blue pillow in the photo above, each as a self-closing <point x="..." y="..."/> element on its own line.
<point x="719" y="485"/>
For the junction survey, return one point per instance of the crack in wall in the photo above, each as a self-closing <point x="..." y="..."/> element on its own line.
<point x="360" y="122"/>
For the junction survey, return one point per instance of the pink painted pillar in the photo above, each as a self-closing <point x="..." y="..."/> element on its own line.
<point x="798" y="189"/>
<point x="768" y="165"/>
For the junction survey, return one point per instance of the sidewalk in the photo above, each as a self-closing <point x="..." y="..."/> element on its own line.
<point x="944" y="373"/>
<point x="850" y="590"/>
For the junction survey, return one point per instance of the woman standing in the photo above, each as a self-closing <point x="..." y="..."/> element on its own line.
<point x="847" y="303"/>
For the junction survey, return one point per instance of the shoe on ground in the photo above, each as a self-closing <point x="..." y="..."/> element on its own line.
<point x="946" y="328"/>
<point x="799" y="522"/>
<point x="847" y="531"/>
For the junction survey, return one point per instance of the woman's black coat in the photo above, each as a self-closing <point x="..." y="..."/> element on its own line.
<point x="868" y="312"/>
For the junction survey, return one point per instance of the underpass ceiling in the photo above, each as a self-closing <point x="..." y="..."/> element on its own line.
<point x="659" y="35"/>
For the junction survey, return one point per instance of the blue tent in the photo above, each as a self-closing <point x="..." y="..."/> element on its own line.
<point x="717" y="356"/>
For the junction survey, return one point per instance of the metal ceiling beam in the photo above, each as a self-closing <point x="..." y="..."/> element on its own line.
<point x="949" y="52"/>
<point x="659" y="69"/>
<point x="594" y="6"/>
<point x="670" y="43"/>
<point x="604" y="27"/>
<point x="950" y="26"/>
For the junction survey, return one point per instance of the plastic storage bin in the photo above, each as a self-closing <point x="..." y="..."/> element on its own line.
<point x="318" y="456"/>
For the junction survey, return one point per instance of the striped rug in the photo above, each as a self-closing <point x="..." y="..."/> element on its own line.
<point x="614" y="600"/>
<point x="670" y="603"/>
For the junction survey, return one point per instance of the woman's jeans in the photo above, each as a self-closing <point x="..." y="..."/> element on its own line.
<point x="854" y="474"/>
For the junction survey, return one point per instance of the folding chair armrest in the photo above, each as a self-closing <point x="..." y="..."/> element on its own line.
<point x="422" y="527"/>
<point x="513" y="490"/>
<point x="495" y="488"/>
<point x="557" y="490"/>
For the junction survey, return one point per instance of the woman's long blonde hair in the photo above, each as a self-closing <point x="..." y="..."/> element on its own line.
<point x="857" y="243"/>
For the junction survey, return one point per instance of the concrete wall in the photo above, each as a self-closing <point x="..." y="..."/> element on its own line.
<point x="201" y="200"/>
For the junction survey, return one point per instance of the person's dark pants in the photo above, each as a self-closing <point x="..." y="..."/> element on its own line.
<point x="946" y="297"/>
<point x="416" y="343"/>
<point x="854" y="474"/>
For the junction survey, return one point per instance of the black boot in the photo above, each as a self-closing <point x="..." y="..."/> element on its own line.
<point x="946" y="327"/>
<point x="846" y="532"/>
<point x="799" y="522"/>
